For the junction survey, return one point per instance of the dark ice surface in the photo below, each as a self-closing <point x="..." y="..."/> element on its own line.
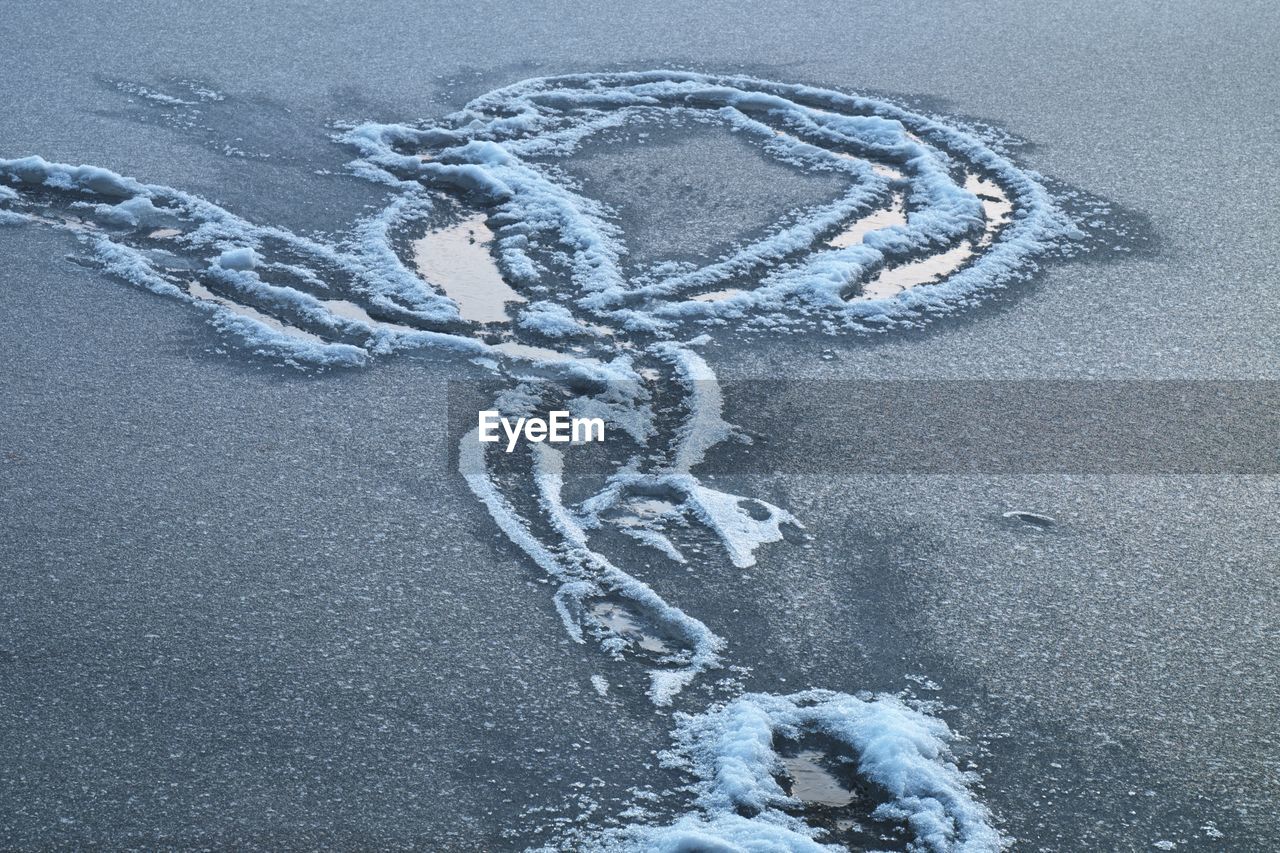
<point x="245" y="606"/>
<point x="662" y="180"/>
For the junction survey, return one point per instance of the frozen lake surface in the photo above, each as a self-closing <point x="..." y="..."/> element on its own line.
<point x="251" y="606"/>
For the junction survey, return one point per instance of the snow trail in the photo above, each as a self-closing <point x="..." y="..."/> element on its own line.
<point x="933" y="217"/>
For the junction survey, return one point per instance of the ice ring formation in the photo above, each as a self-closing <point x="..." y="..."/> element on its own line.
<point x="933" y="215"/>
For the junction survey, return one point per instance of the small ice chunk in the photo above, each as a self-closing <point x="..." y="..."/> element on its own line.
<point x="1034" y="519"/>
<point x="242" y="258"/>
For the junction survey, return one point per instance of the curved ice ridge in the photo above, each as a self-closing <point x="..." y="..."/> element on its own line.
<point x="606" y="338"/>
<point x="548" y="234"/>
<point x="889" y="153"/>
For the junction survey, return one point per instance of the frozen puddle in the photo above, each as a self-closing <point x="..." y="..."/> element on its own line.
<point x="349" y="310"/>
<point x="204" y="294"/>
<point x="823" y="776"/>
<point x="883" y="170"/>
<point x="890" y="281"/>
<point x="532" y="353"/>
<point x="893" y="280"/>
<point x="619" y="620"/>
<point x="811" y="783"/>
<point x="996" y="206"/>
<point x="717" y="295"/>
<point x="457" y="260"/>
<point x="644" y="511"/>
<point x="874" y="221"/>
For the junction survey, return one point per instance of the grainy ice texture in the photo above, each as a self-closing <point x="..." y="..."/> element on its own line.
<point x="250" y="606"/>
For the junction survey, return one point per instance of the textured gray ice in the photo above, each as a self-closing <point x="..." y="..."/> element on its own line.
<point x="242" y="605"/>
